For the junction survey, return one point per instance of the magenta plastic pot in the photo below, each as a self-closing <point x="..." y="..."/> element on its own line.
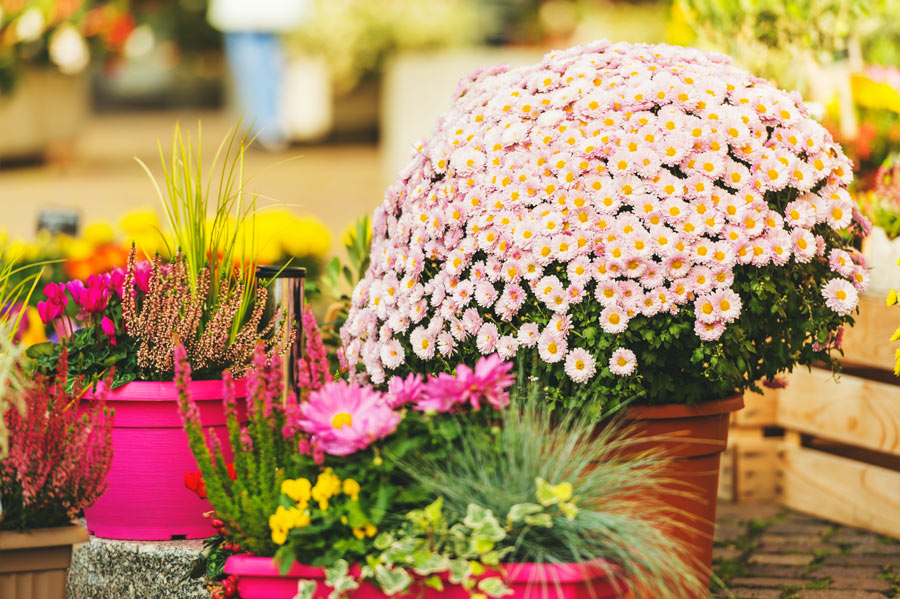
<point x="258" y="578"/>
<point x="145" y="497"/>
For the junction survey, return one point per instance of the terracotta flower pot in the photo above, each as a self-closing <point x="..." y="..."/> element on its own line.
<point x="695" y="437"/>
<point x="33" y="564"/>
<point x="146" y="498"/>
<point x="258" y="578"/>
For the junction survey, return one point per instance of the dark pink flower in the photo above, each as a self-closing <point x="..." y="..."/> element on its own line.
<point x="109" y="329"/>
<point x="49" y="311"/>
<point x="405" y="391"/>
<point x="76" y="290"/>
<point x="343" y="418"/>
<point x="142" y="272"/>
<point x="487" y="383"/>
<point x="117" y="280"/>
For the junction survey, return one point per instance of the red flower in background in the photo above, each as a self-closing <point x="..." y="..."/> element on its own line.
<point x="194" y="481"/>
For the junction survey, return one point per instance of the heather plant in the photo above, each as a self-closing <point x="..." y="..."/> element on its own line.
<point x="211" y="219"/>
<point x="634" y="220"/>
<point x="60" y="454"/>
<point x="174" y="312"/>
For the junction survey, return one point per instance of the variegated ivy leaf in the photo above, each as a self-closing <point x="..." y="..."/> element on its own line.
<point x="569" y="510"/>
<point x="392" y="580"/>
<point x="306" y="589"/>
<point x="343" y="585"/>
<point x="459" y="570"/>
<point x="430" y="564"/>
<point x="520" y="510"/>
<point x="434" y="582"/>
<point x="476" y="516"/>
<point x="494" y="587"/>
<point x="433" y="513"/>
<point x="491" y="529"/>
<point x="548" y="494"/>
<point x="480" y="545"/>
<point x="336" y="571"/>
<point x="383" y="541"/>
<point x="543" y="520"/>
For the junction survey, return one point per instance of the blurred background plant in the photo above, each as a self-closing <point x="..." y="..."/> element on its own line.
<point x="62" y="35"/>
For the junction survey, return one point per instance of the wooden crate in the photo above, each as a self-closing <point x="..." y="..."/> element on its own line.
<point x="827" y="445"/>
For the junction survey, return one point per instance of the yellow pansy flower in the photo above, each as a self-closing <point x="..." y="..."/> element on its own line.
<point x="299" y="489"/>
<point x="351" y="489"/>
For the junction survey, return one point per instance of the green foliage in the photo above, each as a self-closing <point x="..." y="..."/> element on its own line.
<point x="571" y="492"/>
<point x="345" y="530"/>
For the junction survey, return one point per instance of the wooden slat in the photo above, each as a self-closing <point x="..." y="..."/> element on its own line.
<point x="841" y="490"/>
<point x="726" y="476"/>
<point x="850" y="410"/>
<point x="867" y="342"/>
<point x="756" y="469"/>
<point x="759" y="409"/>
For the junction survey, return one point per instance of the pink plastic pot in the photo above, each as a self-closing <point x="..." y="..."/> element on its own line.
<point x="145" y="498"/>
<point x="258" y="578"/>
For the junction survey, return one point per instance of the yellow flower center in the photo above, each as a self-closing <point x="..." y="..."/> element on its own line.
<point x="342" y="419"/>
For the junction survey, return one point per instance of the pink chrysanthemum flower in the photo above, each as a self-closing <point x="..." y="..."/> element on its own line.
<point x="622" y="362"/>
<point x="580" y="365"/>
<point x="840" y="295"/>
<point x="344" y="418"/>
<point x="404" y="391"/>
<point x="487" y="383"/>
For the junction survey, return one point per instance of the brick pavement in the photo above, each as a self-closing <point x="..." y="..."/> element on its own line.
<point x="767" y="552"/>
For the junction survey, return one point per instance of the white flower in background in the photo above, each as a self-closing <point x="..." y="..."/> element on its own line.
<point x="30" y="25"/>
<point x="68" y="50"/>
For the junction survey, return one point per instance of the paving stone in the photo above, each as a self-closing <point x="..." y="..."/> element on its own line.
<point x="836" y="572"/>
<point x="729" y="532"/>
<point x="861" y="560"/>
<point x="782" y="559"/>
<point x="846" y="536"/>
<point x="875" y="548"/>
<point x="744" y="512"/>
<point x="742" y="593"/>
<point x="862" y="584"/>
<point x="774" y="570"/>
<point x="788" y="527"/>
<point x="798" y="547"/>
<point x="724" y="553"/>
<point x="770" y="582"/>
<point x="770" y="539"/>
<point x="837" y="594"/>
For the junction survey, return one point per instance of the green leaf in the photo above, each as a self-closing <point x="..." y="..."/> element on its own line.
<point x="392" y="580"/>
<point x="460" y="570"/>
<point x="40" y="350"/>
<point x="543" y="520"/>
<point x="338" y="570"/>
<point x="305" y="589"/>
<point x="520" y="510"/>
<point x="434" y="582"/>
<point x="433" y="514"/>
<point x="494" y="587"/>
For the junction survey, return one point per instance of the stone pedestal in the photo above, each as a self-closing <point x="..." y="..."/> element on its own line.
<point x="109" y="569"/>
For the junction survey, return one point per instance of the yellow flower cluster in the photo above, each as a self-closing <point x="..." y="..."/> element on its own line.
<point x="302" y="491"/>
<point x="875" y="95"/>
<point x="892" y="299"/>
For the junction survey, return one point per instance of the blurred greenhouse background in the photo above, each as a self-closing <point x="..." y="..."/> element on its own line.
<point x="88" y="85"/>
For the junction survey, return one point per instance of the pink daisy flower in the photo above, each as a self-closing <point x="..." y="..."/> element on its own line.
<point x="528" y="334"/>
<point x="580" y="365"/>
<point x="840" y="296"/>
<point x="614" y="319"/>
<point x="622" y="362"/>
<point x="551" y="347"/>
<point x="487" y="337"/>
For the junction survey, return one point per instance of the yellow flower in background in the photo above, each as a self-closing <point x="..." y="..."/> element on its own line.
<point x="875" y="95"/>
<point x="284" y="520"/>
<point x="298" y="490"/>
<point x="98" y="233"/>
<point x="143" y="229"/>
<point x="35" y="332"/>
<point x="327" y="486"/>
<point x="351" y="489"/>
<point x="306" y="236"/>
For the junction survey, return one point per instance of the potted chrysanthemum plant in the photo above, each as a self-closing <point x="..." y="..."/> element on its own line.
<point x="128" y="323"/>
<point x="435" y="488"/>
<point x="640" y="223"/>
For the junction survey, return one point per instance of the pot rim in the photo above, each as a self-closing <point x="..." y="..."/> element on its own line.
<point x="56" y="536"/>
<point x="168" y="390"/>
<point x="674" y="410"/>
<point x="250" y="565"/>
